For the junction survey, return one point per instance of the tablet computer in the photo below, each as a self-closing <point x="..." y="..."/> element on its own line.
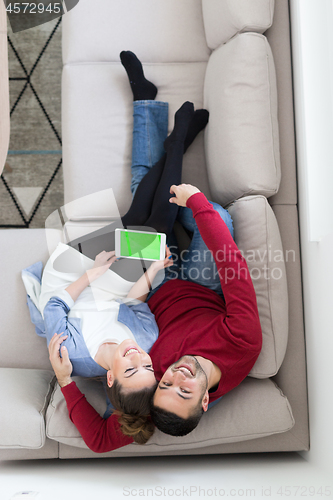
<point x="140" y="244"/>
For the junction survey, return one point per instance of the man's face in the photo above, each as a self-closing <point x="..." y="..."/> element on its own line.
<point x="132" y="367"/>
<point x="182" y="387"/>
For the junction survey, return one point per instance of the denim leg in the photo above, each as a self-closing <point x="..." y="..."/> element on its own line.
<point x="150" y="129"/>
<point x="185" y="217"/>
<point x="197" y="262"/>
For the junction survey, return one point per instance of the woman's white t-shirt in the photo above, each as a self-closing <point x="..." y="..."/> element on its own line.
<point x="102" y="327"/>
<point x="97" y="306"/>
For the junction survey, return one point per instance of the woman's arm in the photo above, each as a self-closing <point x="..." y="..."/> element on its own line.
<point x="102" y="263"/>
<point x="56" y="310"/>
<point x="100" y="435"/>
<point x="142" y="287"/>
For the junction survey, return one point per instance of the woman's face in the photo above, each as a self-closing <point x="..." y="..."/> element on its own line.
<point x="132" y="367"/>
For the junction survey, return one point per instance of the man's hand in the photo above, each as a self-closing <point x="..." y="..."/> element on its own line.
<point x="182" y="193"/>
<point x="62" y="366"/>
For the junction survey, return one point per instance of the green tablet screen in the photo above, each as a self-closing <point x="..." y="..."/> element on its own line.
<point x="141" y="245"/>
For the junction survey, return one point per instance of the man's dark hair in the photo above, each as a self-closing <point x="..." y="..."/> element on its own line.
<point x="172" y="424"/>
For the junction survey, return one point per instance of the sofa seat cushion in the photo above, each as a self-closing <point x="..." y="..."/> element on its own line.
<point x="242" y="136"/>
<point x="256" y="408"/>
<point x="163" y="31"/>
<point x="20" y="346"/>
<point x="225" y="18"/>
<point x="24" y="394"/>
<point x="257" y="235"/>
<point x="97" y="122"/>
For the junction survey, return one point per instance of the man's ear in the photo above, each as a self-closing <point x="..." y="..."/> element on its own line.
<point x="205" y="401"/>
<point x="109" y="378"/>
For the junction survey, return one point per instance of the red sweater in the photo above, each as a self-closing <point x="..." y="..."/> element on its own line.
<point x="100" y="435"/>
<point x="195" y="320"/>
<point x="192" y="320"/>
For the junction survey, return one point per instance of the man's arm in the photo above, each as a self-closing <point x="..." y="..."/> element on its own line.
<point x="238" y="290"/>
<point x="100" y="435"/>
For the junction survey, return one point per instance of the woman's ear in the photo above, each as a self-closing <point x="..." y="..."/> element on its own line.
<point x="109" y="378"/>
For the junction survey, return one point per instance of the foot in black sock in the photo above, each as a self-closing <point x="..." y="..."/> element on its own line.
<point x="142" y="88"/>
<point x="198" y="123"/>
<point x="183" y="118"/>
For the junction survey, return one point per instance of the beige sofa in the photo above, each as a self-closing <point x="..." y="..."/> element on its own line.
<point x="232" y="57"/>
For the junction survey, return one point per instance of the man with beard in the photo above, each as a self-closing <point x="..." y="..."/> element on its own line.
<point x="208" y="341"/>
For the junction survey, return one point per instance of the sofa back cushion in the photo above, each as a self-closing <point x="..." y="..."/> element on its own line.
<point x="225" y="18"/>
<point x="256" y="408"/>
<point x="257" y="235"/>
<point x="97" y="124"/>
<point x="157" y="31"/>
<point x="242" y="136"/>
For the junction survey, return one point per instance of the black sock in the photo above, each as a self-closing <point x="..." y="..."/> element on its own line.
<point x="183" y="118"/>
<point x="164" y="213"/>
<point x="142" y="88"/>
<point x="198" y="123"/>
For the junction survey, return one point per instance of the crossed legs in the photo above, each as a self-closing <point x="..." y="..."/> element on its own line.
<point x="153" y="175"/>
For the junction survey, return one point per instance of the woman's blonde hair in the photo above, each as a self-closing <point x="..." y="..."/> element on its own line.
<point x="133" y="410"/>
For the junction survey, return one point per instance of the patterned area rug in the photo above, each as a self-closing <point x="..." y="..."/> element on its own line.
<point x="31" y="186"/>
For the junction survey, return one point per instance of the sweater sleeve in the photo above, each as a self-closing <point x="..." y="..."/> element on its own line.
<point x="238" y="290"/>
<point x="100" y="435"/>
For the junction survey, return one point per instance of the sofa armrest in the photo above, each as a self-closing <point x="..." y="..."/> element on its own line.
<point x="26" y="395"/>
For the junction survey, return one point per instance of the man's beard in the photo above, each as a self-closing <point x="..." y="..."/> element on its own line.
<point x="200" y="374"/>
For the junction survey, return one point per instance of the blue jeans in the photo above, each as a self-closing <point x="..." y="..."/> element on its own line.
<point x="150" y="129"/>
<point x="150" y="126"/>
<point x="197" y="263"/>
